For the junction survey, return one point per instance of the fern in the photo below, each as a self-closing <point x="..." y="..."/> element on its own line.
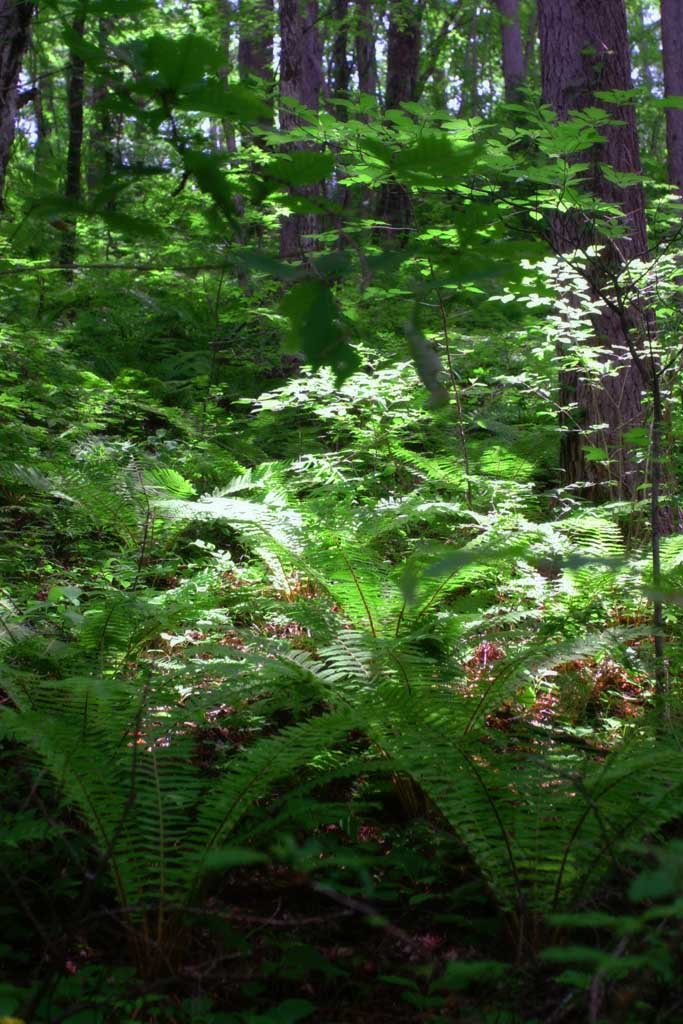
<point x="127" y="761"/>
<point x="541" y="826"/>
<point x="271" y="520"/>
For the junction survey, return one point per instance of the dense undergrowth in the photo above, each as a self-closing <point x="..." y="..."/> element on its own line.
<point x="320" y="704"/>
<point x="326" y="694"/>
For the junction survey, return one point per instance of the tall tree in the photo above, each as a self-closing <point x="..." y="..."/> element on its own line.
<point x="255" y="48"/>
<point x="403" y="52"/>
<point x="341" y="66"/>
<point x="221" y="130"/>
<point x="43" y="103"/>
<point x="364" y="44"/>
<point x="672" y="53"/>
<point x="101" y="145"/>
<point x="301" y="78"/>
<point x="469" y="105"/>
<point x="403" y="69"/>
<point x="514" y="69"/>
<point x="15" y="33"/>
<point x="584" y="50"/>
<point x="74" y="155"/>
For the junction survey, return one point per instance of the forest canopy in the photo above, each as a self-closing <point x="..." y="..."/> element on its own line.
<point x="341" y="541"/>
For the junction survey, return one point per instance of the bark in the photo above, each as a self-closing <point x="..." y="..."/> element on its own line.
<point x="514" y="69"/>
<point x="74" y="155"/>
<point x="403" y="66"/>
<point x="301" y="79"/>
<point x="341" y="67"/>
<point x="366" y="58"/>
<point x="43" y="126"/>
<point x="15" y="34"/>
<point x="672" y="55"/>
<point x="221" y="131"/>
<point x="41" y="98"/>
<point x="101" y="144"/>
<point x="403" y="52"/>
<point x="530" y="41"/>
<point x="584" y="49"/>
<point x="255" y="48"/>
<point x="469" y="97"/>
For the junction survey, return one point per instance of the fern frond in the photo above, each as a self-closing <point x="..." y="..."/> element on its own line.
<point x="256" y="521"/>
<point x="125" y="758"/>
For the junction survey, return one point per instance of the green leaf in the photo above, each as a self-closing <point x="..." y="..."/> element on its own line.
<point x="232" y="857"/>
<point x="593" y="454"/>
<point x="619" y="96"/>
<point x="177" y="64"/>
<point x="172" y="483"/>
<point x="289" y="1012"/>
<point x="256" y="259"/>
<point x="434" y="159"/>
<point x="452" y="562"/>
<point x="428" y="366"/>
<point x="584" y="919"/>
<point x="460" y="975"/>
<point x="238" y="102"/>
<point x="315" y="328"/>
<point x="119" y="8"/>
<point x="673" y="102"/>
<point x="207" y="170"/>
<point x="621" y="178"/>
<point x="90" y="53"/>
<point x="302" y="167"/>
<point x="638" y="437"/>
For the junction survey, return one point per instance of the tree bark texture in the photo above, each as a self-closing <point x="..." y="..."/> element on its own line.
<point x="672" y="56"/>
<point x="514" y="68"/>
<point x="469" y="97"/>
<point x="301" y="79"/>
<point x="222" y="130"/>
<point x="366" y="58"/>
<point x="74" y="154"/>
<point x="15" y="33"/>
<point x="403" y="67"/>
<point x="341" y="66"/>
<point x="101" y="142"/>
<point x="43" y="102"/>
<point x="255" y="47"/>
<point x="584" y="49"/>
<point x="403" y="52"/>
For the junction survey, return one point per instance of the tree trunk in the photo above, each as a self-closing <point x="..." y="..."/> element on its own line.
<point x="403" y="52"/>
<point x="469" y="98"/>
<point x="366" y="58"/>
<point x="584" y="49"/>
<point x="301" y="78"/>
<point x="514" y="69"/>
<point x="403" y="67"/>
<point x="15" y="32"/>
<point x="341" y="68"/>
<point x="42" y="98"/>
<point x="72" y="182"/>
<point x="530" y="41"/>
<point x="221" y="130"/>
<point x="672" y="54"/>
<point x="255" y="48"/>
<point x="101" y="143"/>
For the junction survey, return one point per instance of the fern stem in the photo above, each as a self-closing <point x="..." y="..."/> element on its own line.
<point x="361" y="593"/>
